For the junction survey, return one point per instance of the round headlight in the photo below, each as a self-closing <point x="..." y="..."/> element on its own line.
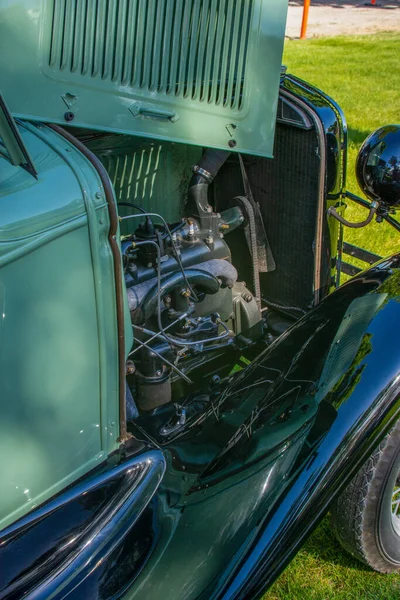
<point x="378" y="166"/>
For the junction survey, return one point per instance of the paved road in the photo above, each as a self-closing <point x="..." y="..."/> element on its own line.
<point x="327" y="17"/>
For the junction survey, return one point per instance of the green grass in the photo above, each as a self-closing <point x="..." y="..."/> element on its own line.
<point x="362" y="74"/>
<point x="322" y="570"/>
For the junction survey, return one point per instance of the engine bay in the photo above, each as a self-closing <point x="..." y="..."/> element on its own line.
<point x="194" y="250"/>
<point x="185" y="298"/>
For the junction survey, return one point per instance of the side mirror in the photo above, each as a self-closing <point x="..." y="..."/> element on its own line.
<point x="378" y="167"/>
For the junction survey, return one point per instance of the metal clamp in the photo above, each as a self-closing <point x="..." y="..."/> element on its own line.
<point x="203" y="173"/>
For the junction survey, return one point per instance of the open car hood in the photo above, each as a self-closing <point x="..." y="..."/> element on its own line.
<point x="203" y="72"/>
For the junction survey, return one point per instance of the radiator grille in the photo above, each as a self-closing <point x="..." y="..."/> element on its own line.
<point x="195" y="49"/>
<point x="287" y="189"/>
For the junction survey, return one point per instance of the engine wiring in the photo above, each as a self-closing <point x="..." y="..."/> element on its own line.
<point x="172" y="340"/>
<point x="169" y="363"/>
<point x="174" y="249"/>
<point x="132" y="205"/>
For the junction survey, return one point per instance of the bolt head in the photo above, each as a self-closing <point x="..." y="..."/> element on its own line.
<point x="130" y="368"/>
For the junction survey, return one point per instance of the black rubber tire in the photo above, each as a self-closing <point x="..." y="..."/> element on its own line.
<point x="361" y="516"/>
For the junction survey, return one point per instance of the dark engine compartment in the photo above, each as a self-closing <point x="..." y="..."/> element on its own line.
<point x="186" y="301"/>
<point x="218" y="255"/>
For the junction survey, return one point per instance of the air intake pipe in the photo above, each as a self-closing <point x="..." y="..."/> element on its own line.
<point x="203" y="174"/>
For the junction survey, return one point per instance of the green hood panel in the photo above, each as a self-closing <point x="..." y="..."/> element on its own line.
<point x="203" y="72"/>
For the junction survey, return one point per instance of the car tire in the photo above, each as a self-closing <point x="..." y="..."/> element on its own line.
<point x="366" y="516"/>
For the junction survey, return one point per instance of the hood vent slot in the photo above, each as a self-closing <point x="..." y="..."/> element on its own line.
<point x="199" y="72"/>
<point x="193" y="49"/>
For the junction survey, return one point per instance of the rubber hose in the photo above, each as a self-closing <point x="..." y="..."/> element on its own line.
<point x="333" y="213"/>
<point x="211" y="161"/>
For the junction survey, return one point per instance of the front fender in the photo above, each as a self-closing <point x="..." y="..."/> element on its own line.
<point x="348" y="361"/>
<point x="248" y="479"/>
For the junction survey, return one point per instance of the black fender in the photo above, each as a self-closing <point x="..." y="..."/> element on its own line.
<point x="250" y="477"/>
<point x="346" y="357"/>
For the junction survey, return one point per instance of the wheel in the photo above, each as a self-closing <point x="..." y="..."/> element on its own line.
<point x="366" y="517"/>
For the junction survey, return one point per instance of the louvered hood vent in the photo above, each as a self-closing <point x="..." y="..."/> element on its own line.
<point x="180" y="48"/>
<point x="199" y="71"/>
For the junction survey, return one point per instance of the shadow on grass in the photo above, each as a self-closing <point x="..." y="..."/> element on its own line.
<point x="323" y="546"/>
<point x="357" y="137"/>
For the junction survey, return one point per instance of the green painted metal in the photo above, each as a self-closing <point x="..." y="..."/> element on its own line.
<point x="205" y="72"/>
<point x="154" y="175"/>
<point x="11" y="143"/>
<point x="58" y="350"/>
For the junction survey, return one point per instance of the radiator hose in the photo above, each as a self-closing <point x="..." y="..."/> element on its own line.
<point x="203" y="174"/>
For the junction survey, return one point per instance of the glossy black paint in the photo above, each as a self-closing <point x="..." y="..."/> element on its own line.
<point x="351" y="420"/>
<point x="75" y="540"/>
<point x="378" y="166"/>
<point x="257" y="466"/>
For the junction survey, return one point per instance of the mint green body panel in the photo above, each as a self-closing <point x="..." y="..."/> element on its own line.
<point x="153" y="174"/>
<point x="58" y="340"/>
<point x="201" y="72"/>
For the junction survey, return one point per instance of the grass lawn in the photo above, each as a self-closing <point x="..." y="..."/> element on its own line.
<point x="322" y="570"/>
<point x="363" y="75"/>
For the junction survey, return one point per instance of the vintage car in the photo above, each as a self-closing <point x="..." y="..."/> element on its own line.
<point x="186" y="389"/>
